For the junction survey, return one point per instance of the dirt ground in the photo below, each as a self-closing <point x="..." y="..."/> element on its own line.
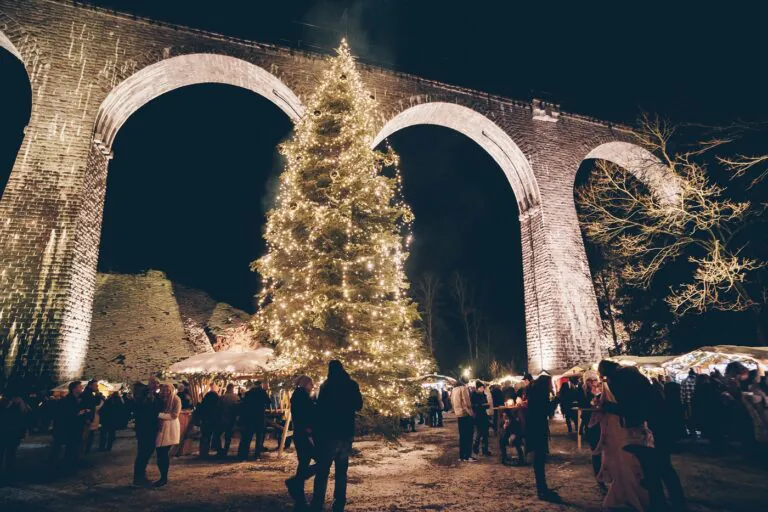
<point x="421" y="472"/>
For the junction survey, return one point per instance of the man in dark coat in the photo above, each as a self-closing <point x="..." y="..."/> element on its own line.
<point x="208" y="416"/>
<point x="13" y="417"/>
<point x="480" y="408"/>
<point x="252" y="415"/>
<point x="146" y="408"/>
<point x="540" y="408"/>
<point x="70" y="420"/>
<point x="230" y="407"/>
<point x="303" y="418"/>
<point x="338" y="401"/>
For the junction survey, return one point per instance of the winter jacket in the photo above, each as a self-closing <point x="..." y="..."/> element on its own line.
<point x="208" y="412"/>
<point x="302" y="410"/>
<point x="146" y="409"/>
<point x="252" y="408"/>
<point x="169" y="433"/>
<point x="337" y="402"/>
<point x="230" y="405"/>
<point x="480" y="407"/>
<point x="461" y="401"/>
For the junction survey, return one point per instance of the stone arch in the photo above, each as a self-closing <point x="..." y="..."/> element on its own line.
<point x="539" y="315"/>
<point x="484" y="132"/>
<point x="643" y="164"/>
<point x="182" y="70"/>
<point x="125" y="99"/>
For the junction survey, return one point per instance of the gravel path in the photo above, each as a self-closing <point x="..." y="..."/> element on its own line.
<point x="419" y="473"/>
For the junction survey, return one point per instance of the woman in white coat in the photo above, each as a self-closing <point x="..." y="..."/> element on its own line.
<point x="169" y="432"/>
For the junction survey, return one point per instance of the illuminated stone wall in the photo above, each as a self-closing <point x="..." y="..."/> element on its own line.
<point x="91" y="69"/>
<point x="137" y="328"/>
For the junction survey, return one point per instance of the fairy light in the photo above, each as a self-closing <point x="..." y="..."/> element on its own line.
<point x="334" y="285"/>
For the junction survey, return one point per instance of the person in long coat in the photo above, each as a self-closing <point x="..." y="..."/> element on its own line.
<point x="13" y="416"/>
<point x="338" y="401"/>
<point x="146" y="407"/>
<point x="303" y="418"/>
<point x="169" y="433"/>
<point x="208" y="416"/>
<point x="252" y="419"/>
<point x="540" y="408"/>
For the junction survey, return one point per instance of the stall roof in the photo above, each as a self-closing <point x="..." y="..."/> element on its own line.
<point x="250" y="362"/>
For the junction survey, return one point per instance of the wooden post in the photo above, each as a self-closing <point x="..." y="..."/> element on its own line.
<point x="578" y="428"/>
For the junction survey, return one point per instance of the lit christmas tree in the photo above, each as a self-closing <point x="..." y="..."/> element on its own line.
<point x="333" y="280"/>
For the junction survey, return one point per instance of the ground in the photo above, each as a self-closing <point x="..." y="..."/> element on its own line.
<point x="421" y="472"/>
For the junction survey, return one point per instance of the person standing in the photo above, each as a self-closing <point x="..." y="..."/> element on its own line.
<point x="169" y="433"/>
<point x="687" y="390"/>
<point x="93" y="401"/>
<point x="303" y="418"/>
<point x="69" y="424"/>
<point x="540" y="408"/>
<point x="184" y="396"/>
<point x="461" y="403"/>
<point x="338" y="401"/>
<point x="229" y="407"/>
<point x="112" y="414"/>
<point x="252" y="415"/>
<point x="146" y="409"/>
<point x="13" y="417"/>
<point x="207" y="415"/>
<point x="480" y="408"/>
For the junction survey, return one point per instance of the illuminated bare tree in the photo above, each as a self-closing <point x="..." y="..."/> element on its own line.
<point x="427" y="292"/>
<point x="646" y="229"/>
<point x="462" y="294"/>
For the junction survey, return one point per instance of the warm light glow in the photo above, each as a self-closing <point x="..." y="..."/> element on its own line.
<point x="334" y="286"/>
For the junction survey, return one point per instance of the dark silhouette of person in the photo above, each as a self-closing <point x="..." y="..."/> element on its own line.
<point x="112" y="418"/>
<point x="69" y="425"/>
<point x="303" y="418"/>
<point x="337" y="402"/>
<point x="639" y="403"/>
<point x="230" y="405"/>
<point x="13" y="427"/>
<point x="540" y="408"/>
<point x="480" y="407"/>
<point x="208" y="416"/>
<point x="252" y="416"/>
<point x="146" y="408"/>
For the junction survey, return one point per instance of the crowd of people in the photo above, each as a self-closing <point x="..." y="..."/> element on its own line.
<point x="631" y="423"/>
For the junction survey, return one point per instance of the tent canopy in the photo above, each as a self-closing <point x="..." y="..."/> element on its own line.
<point x="249" y="362"/>
<point x="718" y="356"/>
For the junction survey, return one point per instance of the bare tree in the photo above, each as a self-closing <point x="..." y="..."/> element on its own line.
<point x="462" y="294"/>
<point x="647" y="230"/>
<point x="428" y="291"/>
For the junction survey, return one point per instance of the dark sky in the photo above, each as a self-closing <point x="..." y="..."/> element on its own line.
<point x="193" y="170"/>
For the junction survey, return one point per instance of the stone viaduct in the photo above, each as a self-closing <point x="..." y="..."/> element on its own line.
<point x="91" y="69"/>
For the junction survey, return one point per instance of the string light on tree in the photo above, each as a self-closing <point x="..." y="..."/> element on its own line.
<point x="334" y="284"/>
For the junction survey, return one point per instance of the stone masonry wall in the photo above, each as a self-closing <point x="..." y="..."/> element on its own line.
<point x="137" y="328"/>
<point x="50" y="213"/>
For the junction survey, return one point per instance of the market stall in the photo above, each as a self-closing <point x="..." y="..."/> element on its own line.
<point x="105" y="388"/>
<point x="239" y="367"/>
<point x="709" y="359"/>
<point x="650" y="366"/>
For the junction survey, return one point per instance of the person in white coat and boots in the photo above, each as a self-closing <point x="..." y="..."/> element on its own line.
<point x="462" y="407"/>
<point x="169" y="432"/>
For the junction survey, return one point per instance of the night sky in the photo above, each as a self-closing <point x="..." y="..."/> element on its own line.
<point x="194" y="170"/>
